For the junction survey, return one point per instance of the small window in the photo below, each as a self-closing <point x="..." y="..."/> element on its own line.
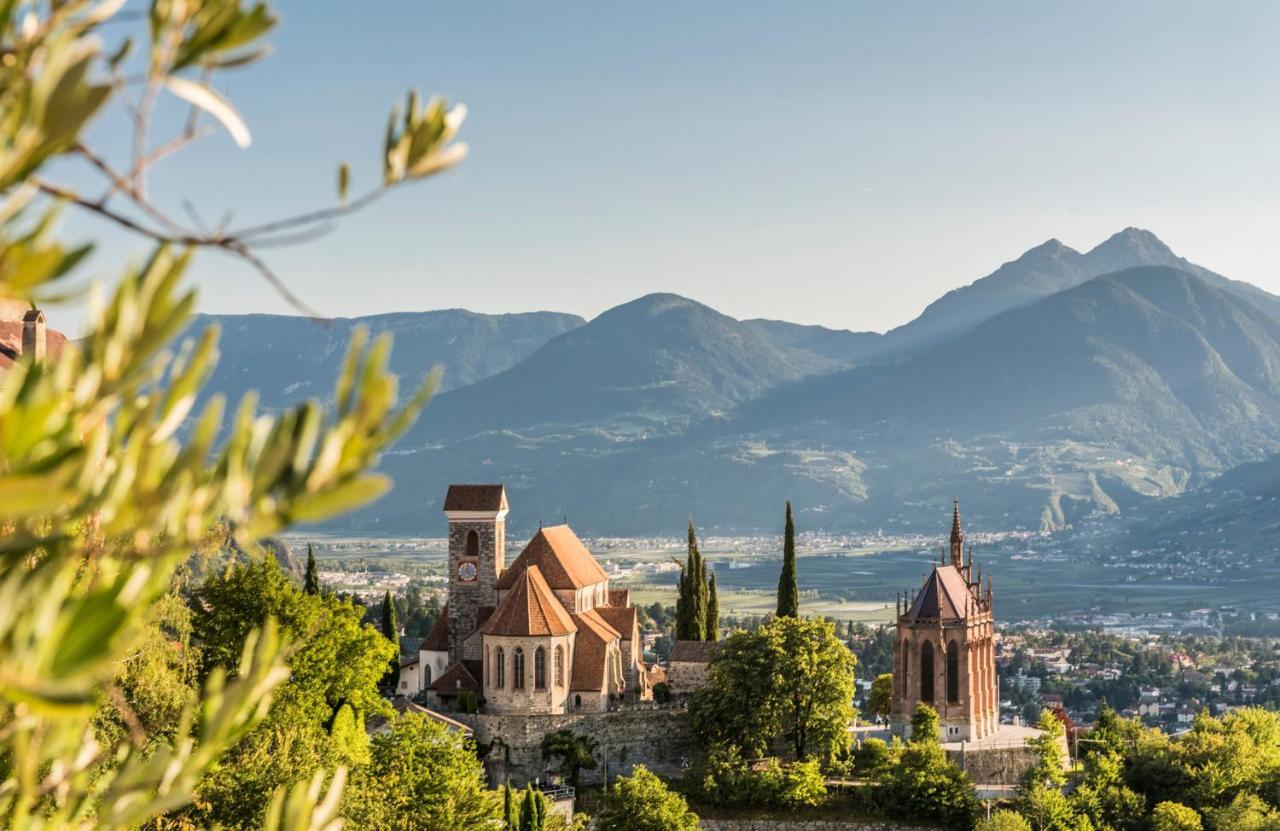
<point x="473" y="544"/>
<point x="577" y="702"/>
<point x="517" y="669"/>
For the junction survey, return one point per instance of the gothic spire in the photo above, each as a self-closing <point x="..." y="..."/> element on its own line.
<point x="957" y="536"/>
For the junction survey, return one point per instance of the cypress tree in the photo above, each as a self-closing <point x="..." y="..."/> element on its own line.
<point x="539" y="811"/>
<point x="510" y="810"/>
<point x="713" y="610"/>
<point x="391" y="631"/>
<point x="311" y="582"/>
<point x="697" y="590"/>
<point x="788" y="592"/>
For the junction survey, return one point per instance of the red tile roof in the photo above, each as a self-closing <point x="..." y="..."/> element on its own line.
<point x="11" y="343"/>
<point x="591" y="652"/>
<point x="621" y="619"/>
<point x="945" y="595"/>
<point x="529" y="608"/>
<point x="564" y="561"/>
<point x="619" y="597"/>
<point x="437" y="640"/>
<point x="454" y="679"/>
<point x="476" y="498"/>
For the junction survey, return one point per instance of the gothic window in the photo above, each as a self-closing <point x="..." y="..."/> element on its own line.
<point x="499" y="668"/>
<point x="473" y="544"/>
<point x="906" y="664"/>
<point x="426" y="675"/>
<point x="517" y="669"/>
<point x="953" y="673"/>
<point x="926" y="672"/>
<point x="540" y="669"/>
<point x="559" y="666"/>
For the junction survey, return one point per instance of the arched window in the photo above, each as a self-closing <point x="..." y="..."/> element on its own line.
<point x="559" y="666"/>
<point x="926" y="672"/>
<point x="953" y="673"/>
<point x="517" y="669"/>
<point x="499" y="668"/>
<point x="540" y="669"/>
<point x="577" y="702"/>
<point x="906" y="663"/>
<point x="473" y="544"/>
<point x="426" y="675"/>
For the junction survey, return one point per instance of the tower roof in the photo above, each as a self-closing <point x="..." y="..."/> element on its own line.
<point x="944" y="596"/>
<point x="561" y="557"/>
<point x="476" y="498"/>
<point x="956" y="534"/>
<point x="529" y="609"/>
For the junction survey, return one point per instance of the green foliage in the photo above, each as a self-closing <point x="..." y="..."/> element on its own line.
<point x="1245" y="813"/>
<point x="872" y="759"/>
<point x="311" y="579"/>
<point x="112" y="716"/>
<point x="713" y="610"/>
<point x="925" y="726"/>
<point x="692" y="603"/>
<point x="1003" y="821"/>
<point x="922" y="785"/>
<point x="533" y="810"/>
<point x="573" y="752"/>
<point x="1049" y="809"/>
<point x="728" y="780"/>
<point x="510" y="808"/>
<point x="790" y="678"/>
<point x="420" y="778"/>
<point x="350" y="741"/>
<point x="1047" y="747"/>
<point x="391" y="631"/>
<point x="1172" y="816"/>
<point x="880" y="698"/>
<point x="788" y="590"/>
<point x="642" y="802"/>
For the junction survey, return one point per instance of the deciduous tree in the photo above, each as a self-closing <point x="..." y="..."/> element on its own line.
<point x="643" y="802"/>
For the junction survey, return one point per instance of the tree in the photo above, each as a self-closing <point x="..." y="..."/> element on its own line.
<point x="510" y="808"/>
<point x="1003" y="821"/>
<point x="925" y="727"/>
<point x="106" y="462"/>
<point x="791" y="679"/>
<point x="311" y="580"/>
<point x="788" y="591"/>
<point x="421" y="777"/>
<point x="691" y="603"/>
<point x="1047" y="748"/>
<point x="575" y="753"/>
<point x="922" y="784"/>
<point x="642" y="802"/>
<point x="880" y="698"/>
<point x="391" y="631"/>
<point x="713" y="610"/>
<point x="1172" y="816"/>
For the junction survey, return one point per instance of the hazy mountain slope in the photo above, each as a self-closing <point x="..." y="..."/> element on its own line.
<point x="1047" y="269"/>
<point x="840" y="347"/>
<point x="287" y="359"/>
<point x="648" y="367"/>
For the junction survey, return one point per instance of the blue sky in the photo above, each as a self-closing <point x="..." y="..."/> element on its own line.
<point x="825" y="162"/>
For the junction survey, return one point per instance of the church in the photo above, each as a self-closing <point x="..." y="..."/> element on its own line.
<point x="543" y="636"/>
<point x="944" y="653"/>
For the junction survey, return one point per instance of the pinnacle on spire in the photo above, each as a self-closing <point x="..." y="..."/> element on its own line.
<point x="957" y="536"/>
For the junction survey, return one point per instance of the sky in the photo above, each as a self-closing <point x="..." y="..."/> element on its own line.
<point x="835" y="163"/>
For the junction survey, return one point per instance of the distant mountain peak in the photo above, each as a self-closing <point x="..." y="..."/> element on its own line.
<point x="1135" y="245"/>
<point x="1051" y="247"/>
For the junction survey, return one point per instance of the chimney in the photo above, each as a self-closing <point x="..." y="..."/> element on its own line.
<point x="33" y="336"/>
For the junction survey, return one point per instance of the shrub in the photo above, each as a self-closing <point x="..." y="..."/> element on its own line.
<point x="643" y="802"/>
<point x="1003" y="821"/>
<point x="1173" y="816"/>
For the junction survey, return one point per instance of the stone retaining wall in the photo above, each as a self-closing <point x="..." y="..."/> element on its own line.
<point x="657" y="738"/>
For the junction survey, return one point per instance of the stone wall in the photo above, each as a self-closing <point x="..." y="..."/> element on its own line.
<point x="657" y="737"/>
<point x="807" y="825"/>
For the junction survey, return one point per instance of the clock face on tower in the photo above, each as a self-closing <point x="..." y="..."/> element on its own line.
<point x="467" y="572"/>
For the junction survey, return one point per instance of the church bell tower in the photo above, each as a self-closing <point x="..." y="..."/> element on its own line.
<point x="477" y="555"/>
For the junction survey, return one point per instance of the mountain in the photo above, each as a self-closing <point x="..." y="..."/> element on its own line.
<point x="649" y="367"/>
<point x="287" y="359"/>
<point x="1047" y="269"/>
<point x="840" y="347"/>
